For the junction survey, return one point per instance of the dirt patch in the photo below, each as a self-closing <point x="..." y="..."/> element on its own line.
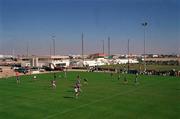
<point x="7" y="72"/>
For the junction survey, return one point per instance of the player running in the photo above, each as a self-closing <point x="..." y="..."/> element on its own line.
<point x="53" y="84"/>
<point x="17" y="77"/>
<point x="78" y="80"/>
<point x="76" y="91"/>
<point x="136" y="79"/>
<point x="78" y="84"/>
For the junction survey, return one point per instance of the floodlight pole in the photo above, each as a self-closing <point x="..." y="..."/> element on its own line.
<point x="144" y="50"/>
<point x="103" y="46"/>
<point x="54" y="49"/>
<point x="13" y="53"/>
<point x="82" y="38"/>
<point x="109" y="46"/>
<point x="144" y="26"/>
<point x="27" y="49"/>
<point x="50" y="49"/>
<point x="128" y="55"/>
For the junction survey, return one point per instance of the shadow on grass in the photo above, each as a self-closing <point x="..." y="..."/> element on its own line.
<point x="68" y="97"/>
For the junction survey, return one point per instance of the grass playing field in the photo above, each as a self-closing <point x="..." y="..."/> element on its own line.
<point x="104" y="97"/>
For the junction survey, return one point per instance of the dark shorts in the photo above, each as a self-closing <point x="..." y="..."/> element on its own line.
<point x="17" y="78"/>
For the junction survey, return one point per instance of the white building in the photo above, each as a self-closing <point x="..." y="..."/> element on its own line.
<point x="39" y="61"/>
<point x="125" y="61"/>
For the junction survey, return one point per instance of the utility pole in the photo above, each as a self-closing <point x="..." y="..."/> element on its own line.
<point x="50" y="49"/>
<point x="54" y="47"/>
<point x="13" y="53"/>
<point x="108" y="46"/>
<point x="103" y="46"/>
<point x="27" y="48"/>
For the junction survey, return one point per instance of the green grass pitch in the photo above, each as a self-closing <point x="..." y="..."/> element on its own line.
<point x="104" y="97"/>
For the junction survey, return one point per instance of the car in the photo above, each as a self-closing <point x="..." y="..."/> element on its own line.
<point x="15" y="66"/>
<point x="41" y="70"/>
<point x="21" y="70"/>
<point x="59" y="68"/>
<point x="34" y="69"/>
<point x="46" y="68"/>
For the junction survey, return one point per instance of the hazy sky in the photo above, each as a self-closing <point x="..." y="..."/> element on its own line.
<point x="33" y="22"/>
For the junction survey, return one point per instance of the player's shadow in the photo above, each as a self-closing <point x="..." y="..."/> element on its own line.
<point x="69" y="92"/>
<point x="68" y="97"/>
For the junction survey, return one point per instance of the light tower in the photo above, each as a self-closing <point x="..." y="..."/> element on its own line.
<point x="144" y="55"/>
<point x="128" y="55"/>
<point x="103" y="46"/>
<point x="82" y="43"/>
<point x="54" y="51"/>
<point x="54" y="47"/>
<point x="27" y="49"/>
<point x="109" y="46"/>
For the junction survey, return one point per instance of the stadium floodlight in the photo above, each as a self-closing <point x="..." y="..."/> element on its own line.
<point x="82" y="43"/>
<point x="54" y="49"/>
<point x="27" y="48"/>
<point x="103" y="46"/>
<point x="144" y="26"/>
<point x="128" y="55"/>
<point x="109" y="49"/>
